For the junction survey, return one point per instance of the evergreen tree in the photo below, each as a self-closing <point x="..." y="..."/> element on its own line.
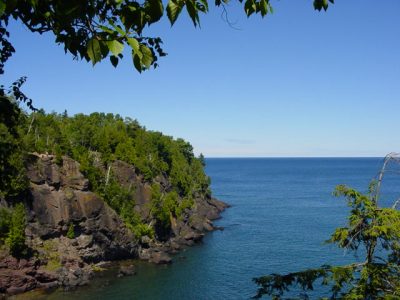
<point x="370" y="228"/>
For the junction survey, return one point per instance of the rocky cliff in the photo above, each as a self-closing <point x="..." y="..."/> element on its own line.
<point x="71" y="231"/>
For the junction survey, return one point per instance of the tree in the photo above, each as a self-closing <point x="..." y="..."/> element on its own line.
<point x="16" y="235"/>
<point x="95" y="30"/>
<point x="12" y="171"/>
<point x="372" y="229"/>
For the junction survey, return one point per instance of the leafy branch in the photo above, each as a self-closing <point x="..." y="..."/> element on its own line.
<point x="96" y="30"/>
<point x="375" y="229"/>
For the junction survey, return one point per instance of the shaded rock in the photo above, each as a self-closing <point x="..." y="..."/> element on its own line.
<point x="42" y="169"/>
<point x="17" y="276"/>
<point x="104" y="264"/>
<point x="71" y="176"/>
<point x="194" y="236"/>
<point x="160" y="258"/>
<point x="48" y="285"/>
<point x="14" y="290"/>
<point x="84" y="241"/>
<point x="75" y="276"/>
<point x="124" y="173"/>
<point x="44" y="276"/>
<point x="144" y="254"/>
<point x="104" y="235"/>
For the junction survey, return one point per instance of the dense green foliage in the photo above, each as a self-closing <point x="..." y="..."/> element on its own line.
<point x="16" y="235"/>
<point x="370" y="228"/>
<point x="122" y="200"/>
<point x="99" y="139"/>
<point x="71" y="231"/>
<point x="96" y="141"/>
<point x="5" y="223"/>
<point x="12" y="229"/>
<point x="96" y="30"/>
<point x="12" y="172"/>
<point x="168" y="205"/>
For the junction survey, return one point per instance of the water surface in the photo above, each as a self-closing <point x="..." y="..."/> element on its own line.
<point x="282" y="212"/>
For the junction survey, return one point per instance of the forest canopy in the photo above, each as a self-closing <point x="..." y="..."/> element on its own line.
<point x="96" y="141"/>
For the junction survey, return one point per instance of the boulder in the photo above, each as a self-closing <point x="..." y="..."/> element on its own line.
<point x="160" y="258"/>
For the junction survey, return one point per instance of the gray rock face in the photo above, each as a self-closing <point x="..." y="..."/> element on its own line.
<point x="59" y="199"/>
<point x="185" y="231"/>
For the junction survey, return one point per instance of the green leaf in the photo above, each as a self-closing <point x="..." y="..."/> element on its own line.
<point x="114" y="60"/>
<point x="155" y="10"/>
<point x="205" y="3"/>
<point x="10" y="5"/>
<point x="322" y="4"/>
<point x="174" y="8"/>
<point x="104" y="49"/>
<point x="147" y="58"/>
<point x="325" y="4"/>
<point x="117" y="28"/>
<point x="134" y="44"/>
<point x="271" y="8"/>
<point x="249" y="7"/>
<point x="263" y="7"/>
<point x="115" y="47"/>
<point x="106" y="29"/>
<point x="137" y="62"/>
<point x="191" y="9"/>
<point x="93" y="50"/>
<point x="2" y="7"/>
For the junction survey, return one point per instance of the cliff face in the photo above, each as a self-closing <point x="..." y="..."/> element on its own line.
<point x="60" y="199"/>
<point x="70" y="229"/>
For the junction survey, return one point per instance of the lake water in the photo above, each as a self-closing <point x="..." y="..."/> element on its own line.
<point x="282" y="212"/>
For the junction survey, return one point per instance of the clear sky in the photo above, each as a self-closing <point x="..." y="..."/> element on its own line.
<point x="296" y="83"/>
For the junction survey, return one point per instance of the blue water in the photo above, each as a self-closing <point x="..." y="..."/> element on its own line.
<point x="282" y="212"/>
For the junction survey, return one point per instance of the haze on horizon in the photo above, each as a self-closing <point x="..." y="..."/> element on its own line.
<point x="296" y="84"/>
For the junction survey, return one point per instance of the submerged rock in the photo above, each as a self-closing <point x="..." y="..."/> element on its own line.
<point x="127" y="270"/>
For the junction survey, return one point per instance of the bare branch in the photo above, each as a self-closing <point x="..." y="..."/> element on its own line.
<point x="394" y="206"/>
<point x="393" y="156"/>
<point x="225" y="17"/>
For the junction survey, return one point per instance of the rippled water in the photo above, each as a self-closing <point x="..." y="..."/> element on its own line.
<point x="282" y="211"/>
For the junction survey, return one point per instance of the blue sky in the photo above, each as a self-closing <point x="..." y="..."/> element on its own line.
<point x="296" y="83"/>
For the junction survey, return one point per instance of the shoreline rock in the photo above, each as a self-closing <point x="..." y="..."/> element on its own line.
<point x="59" y="198"/>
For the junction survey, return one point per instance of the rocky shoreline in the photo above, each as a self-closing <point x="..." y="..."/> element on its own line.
<point x="58" y="197"/>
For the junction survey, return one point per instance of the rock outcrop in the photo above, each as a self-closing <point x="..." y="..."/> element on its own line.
<point x="60" y="201"/>
<point x="18" y="276"/>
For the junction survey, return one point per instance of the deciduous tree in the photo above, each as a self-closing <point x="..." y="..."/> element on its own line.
<point x="100" y="29"/>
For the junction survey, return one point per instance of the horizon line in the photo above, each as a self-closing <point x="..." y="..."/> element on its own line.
<point x="294" y="156"/>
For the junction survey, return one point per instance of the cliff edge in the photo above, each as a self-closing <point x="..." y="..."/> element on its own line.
<point x="71" y="231"/>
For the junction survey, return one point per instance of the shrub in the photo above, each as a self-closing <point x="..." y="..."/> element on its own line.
<point x="71" y="231"/>
<point x="5" y="222"/>
<point x="141" y="229"/>
<point x="16" y="235"/>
